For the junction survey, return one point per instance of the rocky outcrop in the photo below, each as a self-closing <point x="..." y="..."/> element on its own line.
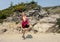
<point x="9" y="27"/>
<point x="40" y="21"/>
<point x="42" y="27"/>
<point x="47" y="24"/>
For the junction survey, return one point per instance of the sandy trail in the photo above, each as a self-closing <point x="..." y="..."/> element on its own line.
<point x="42" y="37"/>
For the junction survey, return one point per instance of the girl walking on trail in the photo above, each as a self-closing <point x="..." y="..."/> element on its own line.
<point x="25" y="24"/>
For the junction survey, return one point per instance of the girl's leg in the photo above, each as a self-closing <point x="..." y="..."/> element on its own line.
<point x="24" y="33"/>
<point x="28" y="29"/>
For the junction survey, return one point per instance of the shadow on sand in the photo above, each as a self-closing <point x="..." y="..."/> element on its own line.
<point x="29" y="36"/>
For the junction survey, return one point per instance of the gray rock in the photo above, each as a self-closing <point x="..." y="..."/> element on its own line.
<point x="32" y="21"/>
<point x="3" y="31"/>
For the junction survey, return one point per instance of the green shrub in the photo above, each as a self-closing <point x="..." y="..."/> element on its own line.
<point x="58" y="22"/>
<point x="1" y="21"/>
<point x="58" y="31"/>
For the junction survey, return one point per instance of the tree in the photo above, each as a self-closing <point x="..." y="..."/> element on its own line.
<point x="11" y="5"/>
<point x="20" y="7"/>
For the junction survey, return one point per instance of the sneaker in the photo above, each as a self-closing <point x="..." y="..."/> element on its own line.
<point x="23" y="37"/>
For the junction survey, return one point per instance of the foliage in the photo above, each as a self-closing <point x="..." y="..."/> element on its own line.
<point x="53" y="9"/>
<point x="58" y="22"/>
<point x="19" y="7"/>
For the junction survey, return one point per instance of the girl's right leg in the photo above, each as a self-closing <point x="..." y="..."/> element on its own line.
<point x="24" y="33"/>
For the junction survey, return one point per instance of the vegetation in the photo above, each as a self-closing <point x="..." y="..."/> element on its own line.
<point x="53" y="9"/>
<point x="58" y="23"/>
<point x="20" y="7"/>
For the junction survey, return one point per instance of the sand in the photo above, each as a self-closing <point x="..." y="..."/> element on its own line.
<point x="39" y="37"/>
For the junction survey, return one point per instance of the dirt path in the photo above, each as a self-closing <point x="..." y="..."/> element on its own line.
<point x="42" y="37"/>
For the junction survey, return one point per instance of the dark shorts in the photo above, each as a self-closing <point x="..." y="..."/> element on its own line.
<point x="26" y="26"/>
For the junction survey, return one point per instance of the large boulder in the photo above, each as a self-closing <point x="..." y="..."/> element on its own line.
<point x="48" y="20"/>
<point x="42" y="27"/>
<point x="32" y="21"/>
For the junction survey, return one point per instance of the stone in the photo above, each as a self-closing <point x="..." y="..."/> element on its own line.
<point x="42" y="27"/>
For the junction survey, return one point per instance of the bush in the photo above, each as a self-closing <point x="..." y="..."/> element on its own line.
<point x="1" y="21"/>
<point x="58" y="22"/>
<point x="2" y="16"/>
<point x="58" y="31"/>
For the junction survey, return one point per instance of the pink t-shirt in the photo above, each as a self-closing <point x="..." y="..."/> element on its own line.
<point x="24" y="22"/>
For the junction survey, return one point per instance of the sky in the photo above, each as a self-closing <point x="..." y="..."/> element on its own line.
<point x="44" y="3"/>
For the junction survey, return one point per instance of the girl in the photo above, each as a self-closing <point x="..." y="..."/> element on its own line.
<point x="25" y="24"/>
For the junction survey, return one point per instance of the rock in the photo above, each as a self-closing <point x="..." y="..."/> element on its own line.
<point x="8" y="27"/>
<point x="37" y="28"/>
<point x="32" y="21"/>
<point x="55" y="16"/>
<point x="3" y="31"/>
<point x="43" y="12"/>
<point x="42" y="27"/>
<point x="48" y="20"/>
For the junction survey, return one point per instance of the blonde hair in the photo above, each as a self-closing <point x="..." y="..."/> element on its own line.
<point x="23" y="14"/>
